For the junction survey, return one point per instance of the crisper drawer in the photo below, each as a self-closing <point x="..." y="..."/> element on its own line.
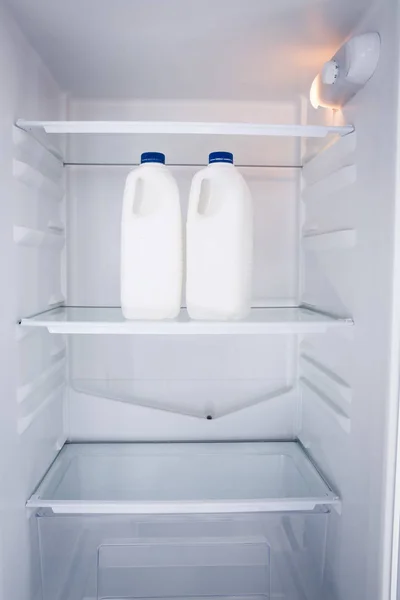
<point x="244" y="556"/>
<point x="184" y="568"/>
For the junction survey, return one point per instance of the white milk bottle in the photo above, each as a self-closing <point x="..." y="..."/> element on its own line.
<point x="219" y="242"/>
<point x="151" y="242"/>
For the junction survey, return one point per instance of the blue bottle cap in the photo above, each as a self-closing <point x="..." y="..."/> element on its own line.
<point x="152" y="157"/>
<point x="220" y="157"/>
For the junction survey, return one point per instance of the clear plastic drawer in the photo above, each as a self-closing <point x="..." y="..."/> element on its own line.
<point x="243" y="556"/>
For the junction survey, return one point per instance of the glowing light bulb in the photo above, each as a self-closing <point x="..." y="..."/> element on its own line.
<point x="314" y="93"/>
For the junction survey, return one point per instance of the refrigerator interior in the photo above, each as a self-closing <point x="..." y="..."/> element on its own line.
<point x="325" y="221"/>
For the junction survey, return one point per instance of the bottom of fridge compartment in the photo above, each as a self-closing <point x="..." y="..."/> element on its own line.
<point x="182" y="478"/>
<point x="234" y="557"/>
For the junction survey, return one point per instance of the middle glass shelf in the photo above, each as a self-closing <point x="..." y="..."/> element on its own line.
<point x="109" y="320"/>
<point x="182" y="478"/>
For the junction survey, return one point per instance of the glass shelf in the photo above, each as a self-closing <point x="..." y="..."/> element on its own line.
<point x="121" y="142"/>
<point x="103" y="320"/>
<point x="184" y="127"/>
<point x="181" y="478"/>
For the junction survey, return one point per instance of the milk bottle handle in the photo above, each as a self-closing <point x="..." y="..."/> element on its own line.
<point x="198" y="184"/>
<point x="134" y="186"/>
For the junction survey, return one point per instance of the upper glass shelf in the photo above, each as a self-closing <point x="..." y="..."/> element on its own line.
<point x="184" y="143"/>
<point x="169" y="478"/>
<point x="103" y="320"/>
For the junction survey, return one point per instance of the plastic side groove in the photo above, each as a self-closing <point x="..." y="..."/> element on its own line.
<point x="55" y="301"/>
<point x="57" y="361"/>
<point x="25" y="422"/>
<point x="21" y="333"/>
<point x="334" y="157"/>
<point x="29" y="150"/>
<point x="341" y="239"/>
<point x="36" y="180"/>
<point x="328" y="404"/>
<point x="39" y="136"/>
<point x="332" y="184"/>
<point x="34" y="401"/>
<point x="25" y="236"/>
<point x="345" y="319"/>
<point x="56" y="226"/>
<point x="326" y="379"/>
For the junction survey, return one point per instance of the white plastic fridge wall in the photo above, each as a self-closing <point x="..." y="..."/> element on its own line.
<point x="118" y="386"/>
<point x="350" y="383"/>
<point x="32" y="366"/>
<point x="264" y="557"/>
<point x="359" y="460"/>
